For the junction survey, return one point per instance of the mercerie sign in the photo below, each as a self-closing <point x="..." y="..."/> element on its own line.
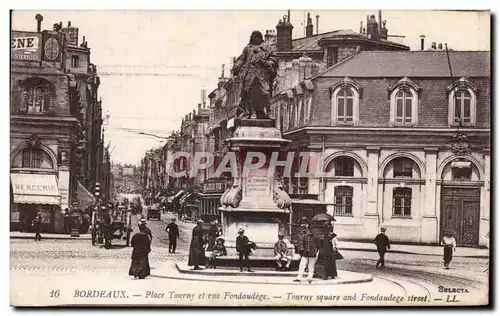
<point x="25" y="46"/>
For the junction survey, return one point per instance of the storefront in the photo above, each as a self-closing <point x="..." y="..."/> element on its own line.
<point x="32" y="193"/>
<point x="210" y="199"/>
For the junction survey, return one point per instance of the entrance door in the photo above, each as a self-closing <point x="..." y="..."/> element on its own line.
<point x="460" y="213"/>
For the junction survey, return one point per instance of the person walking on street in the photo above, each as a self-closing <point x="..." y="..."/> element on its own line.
<point x="173" y="234"/>
<point x="308" y="250"/>
<point x="450" y="245"/>
<point x="147" y="231"/>
<point x="196" y="248"/>
<point x="140" y="261"/>
<point x="107" y="229"/>
<point x="37" y="226"/>
<point x="383" y="244"/>
<point x="243" y="249"/>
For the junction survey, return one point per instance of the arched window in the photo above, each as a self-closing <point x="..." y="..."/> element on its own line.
<point x="343" y="200"/>
<point x="344" y="166"/>
<point x="401" y="202"/>
<point x="34" y="158"/>
<point x="35" y="96"/>
<point x="404" y="100"/>
<point x="463" y="107"/>
<point x="402" y="167"/>
<point x="462" y="103"/>
<point x="345" y="103"/>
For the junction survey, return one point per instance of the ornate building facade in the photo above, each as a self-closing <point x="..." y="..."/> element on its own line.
<point x="53" y="106"/>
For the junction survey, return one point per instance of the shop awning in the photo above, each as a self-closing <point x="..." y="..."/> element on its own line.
<point x="176" y="196"/>
<point x="30" y="188"/>
<point x="184" y="198"/>
<point x="85" y="198"/>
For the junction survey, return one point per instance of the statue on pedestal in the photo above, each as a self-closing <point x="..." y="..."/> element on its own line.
<point x="256" y="69"/>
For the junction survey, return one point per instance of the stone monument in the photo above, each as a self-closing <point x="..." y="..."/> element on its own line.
<point x="256" y="201"/>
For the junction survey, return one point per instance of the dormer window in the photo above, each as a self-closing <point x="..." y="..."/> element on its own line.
<point x="404" y="103"/>
<point x="462" y="103"/>
<point x="345" y="102"/>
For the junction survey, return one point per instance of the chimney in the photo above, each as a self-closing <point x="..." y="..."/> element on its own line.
<point x="317" y="23"/>
<point x="71" y="33"/>
<point x="284" y="34"/>
<point x="39" y="19"/>
<point x="372" y="28"/>
<point x="422" y="42"/>
<point x="440" y="46"/>
<point x="361" y="27"/>
<point x="379" y="20"/>
<point x="383" y="31"/>
<point x="199" y="108"/>
<point x="433" y="45"/>
<point x="309" y="27"/>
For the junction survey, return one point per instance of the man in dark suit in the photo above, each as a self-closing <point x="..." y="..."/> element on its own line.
<point x="383" y="244"/>
<point x="243" y="249"/>
<point x="173" y="234"/>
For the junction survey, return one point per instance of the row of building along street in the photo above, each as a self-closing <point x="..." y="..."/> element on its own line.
<point x="405" y="146"/>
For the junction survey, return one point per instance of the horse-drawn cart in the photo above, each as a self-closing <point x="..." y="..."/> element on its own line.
<point x="118" y="227"/>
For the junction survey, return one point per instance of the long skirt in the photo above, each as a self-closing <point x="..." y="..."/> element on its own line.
<point x="448" y="255"/>
<point x="140" y="267"/>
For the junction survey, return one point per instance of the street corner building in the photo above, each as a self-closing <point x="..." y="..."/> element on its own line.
<point x="405" y="143"/>
<point x="56" y="151"/>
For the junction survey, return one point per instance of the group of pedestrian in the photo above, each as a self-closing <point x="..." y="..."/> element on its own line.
<point x="312" y="248"/>
<point x="383" y="244"/>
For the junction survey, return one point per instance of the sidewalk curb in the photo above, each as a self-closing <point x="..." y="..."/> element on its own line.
<point x="53" y="238"/>
<point x="213" y="278"/>
<point x="414" y="253"/>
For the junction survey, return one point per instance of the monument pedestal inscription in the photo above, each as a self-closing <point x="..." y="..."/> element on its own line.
<point x="256" y="201"/>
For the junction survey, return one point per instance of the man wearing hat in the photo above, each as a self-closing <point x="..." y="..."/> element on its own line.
<point x="281" y="254"/>
<point x="309" y="249"/>
<point x="173" y="234"/>
<point x="146" y="230"/>
<point x="383" y="244"/>
<point x="37" y="225"/>
<point x="243" y="249"/>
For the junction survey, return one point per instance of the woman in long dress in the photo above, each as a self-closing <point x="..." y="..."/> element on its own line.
<point x="329" y="249"/>
<point x="140" y="261"/>
<point x="196" y="249"/>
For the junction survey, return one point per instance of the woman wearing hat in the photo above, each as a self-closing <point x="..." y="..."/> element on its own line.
<point x="196" y="250"/>
<point x="450" y="245"/>
<point x="147" y="231"/>
<point x="218" y="250"/>
<point x="140" y="261"/>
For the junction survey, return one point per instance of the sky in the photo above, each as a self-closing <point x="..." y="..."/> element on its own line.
<point x="153" y="64"/>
